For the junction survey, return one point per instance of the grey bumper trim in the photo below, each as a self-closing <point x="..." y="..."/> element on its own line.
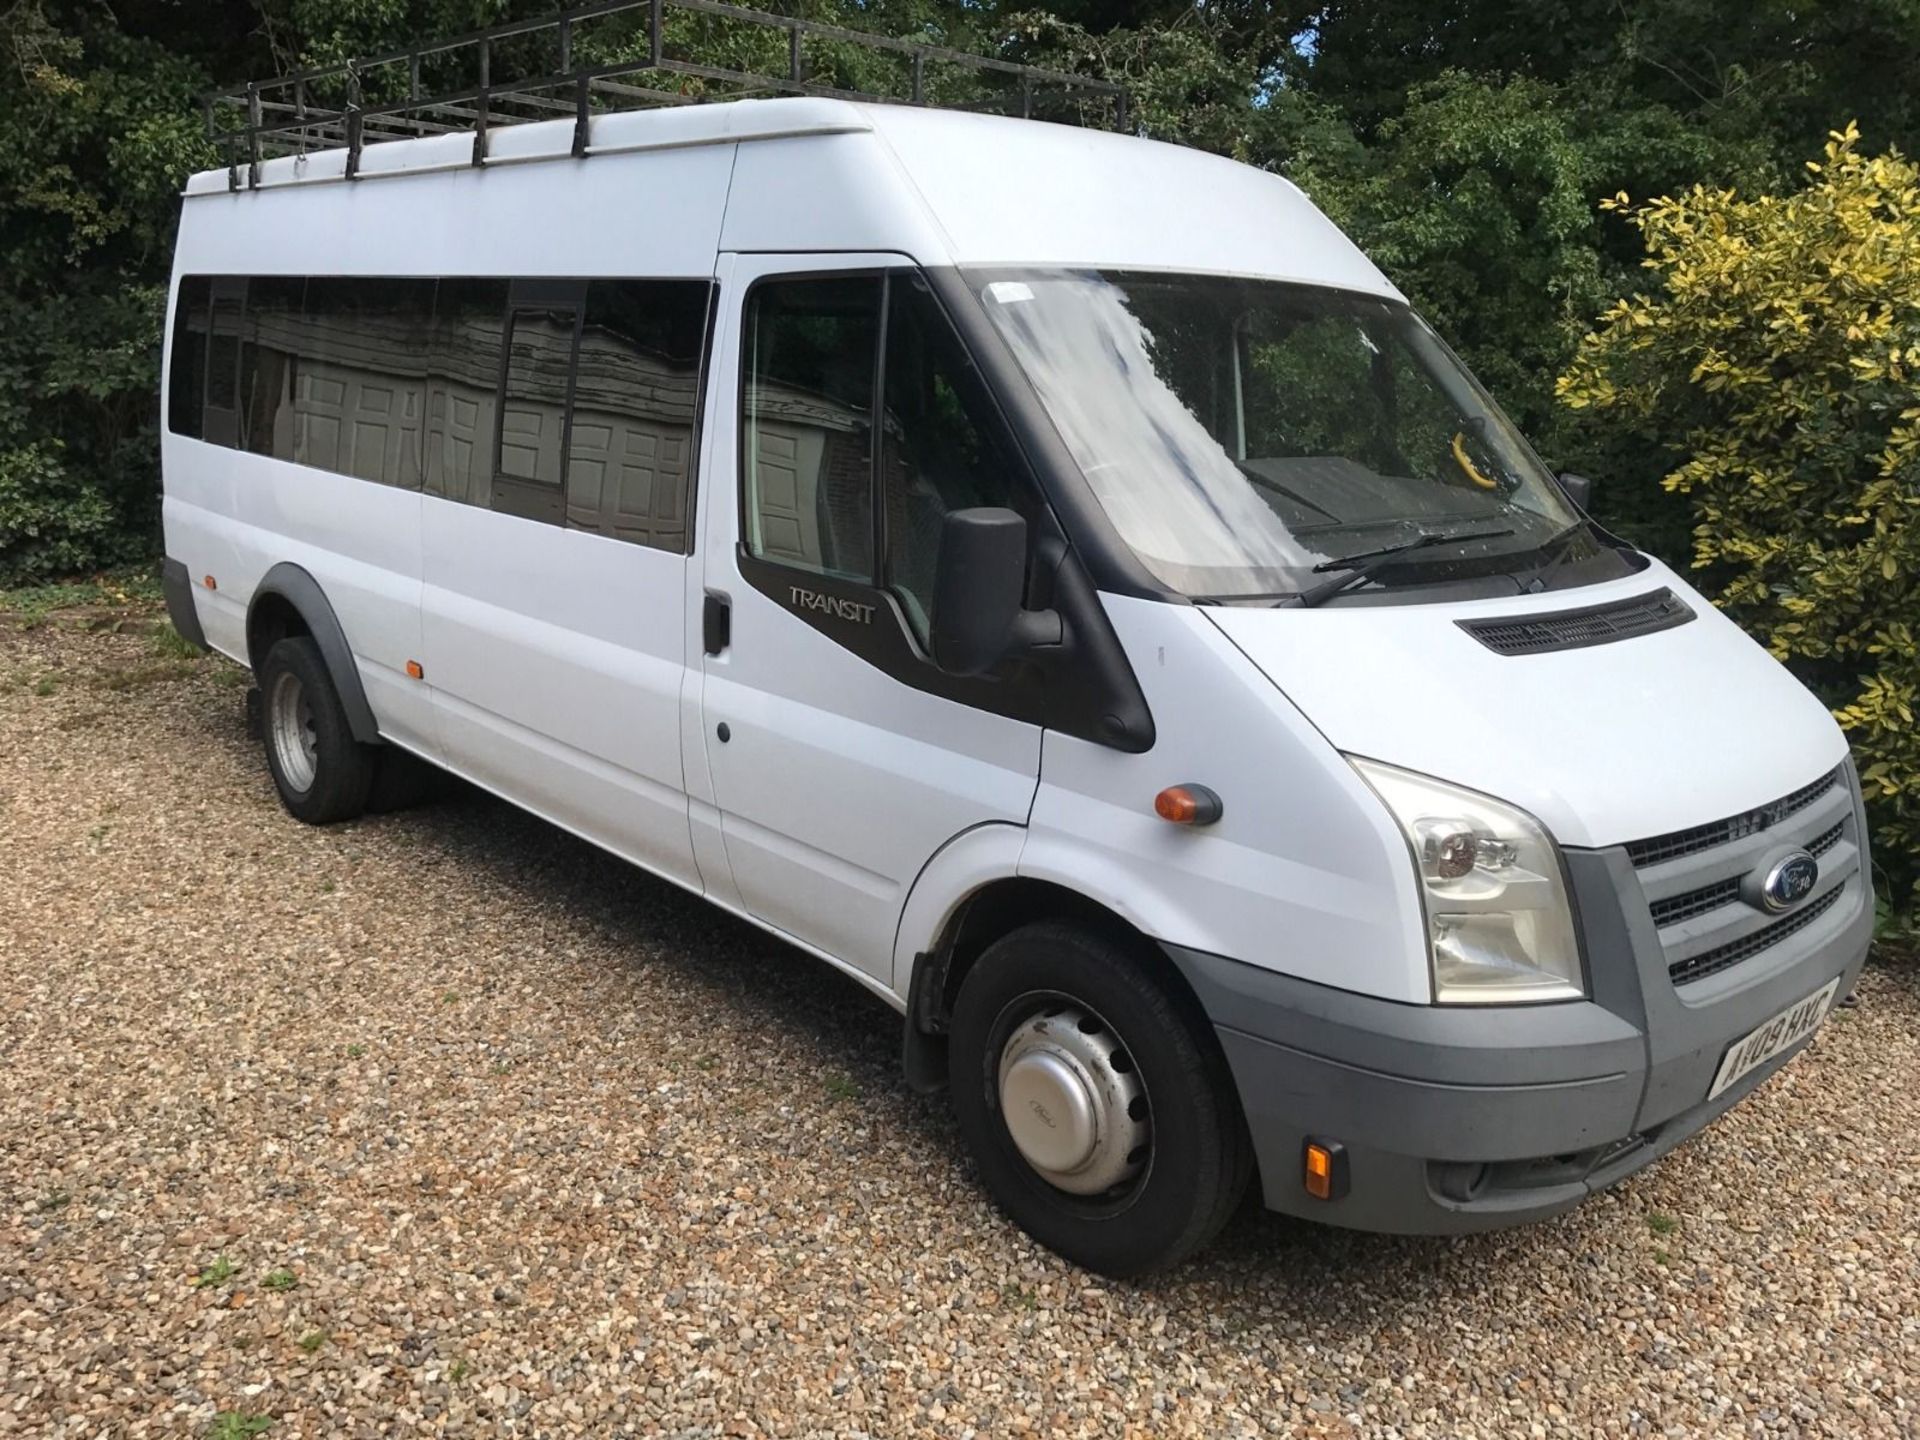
<point x="1532" y="1108"/>
<point x="177" y="585"/>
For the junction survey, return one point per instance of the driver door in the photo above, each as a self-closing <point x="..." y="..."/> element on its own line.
<point x="840" y="762"/>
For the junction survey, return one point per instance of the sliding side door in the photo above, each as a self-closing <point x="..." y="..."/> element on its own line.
<point x="556" y="536"/>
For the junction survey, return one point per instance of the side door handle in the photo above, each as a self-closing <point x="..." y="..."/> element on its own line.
<point x="716" y="623"/>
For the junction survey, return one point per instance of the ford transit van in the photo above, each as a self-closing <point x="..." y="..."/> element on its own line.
<point x="1050" y="577"/>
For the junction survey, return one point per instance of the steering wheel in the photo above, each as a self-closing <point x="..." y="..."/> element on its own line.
<point x="1475" y="475"/>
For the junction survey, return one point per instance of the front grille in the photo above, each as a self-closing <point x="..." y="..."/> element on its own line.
<point x="1704" y="837"/>
<point x="1725" y="957"/>
<point x="1571" y="629"/>
<point x="1826" y="840"/>
<point x="1676" y="908"/>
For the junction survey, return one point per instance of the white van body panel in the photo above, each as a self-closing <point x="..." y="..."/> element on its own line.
<point x="827" y="193"/>
<point x="237" y="515"/>
<point x="1111" y="201"/>
<point x="1604" y="744"/>
<point x="1304" y="873"/>
<point x="654" y="213"/>
<point x="556" y="663"/>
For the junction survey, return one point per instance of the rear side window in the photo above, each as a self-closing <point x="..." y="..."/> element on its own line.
<point x="360" y="395"/>
<point x="469" y="331"/>
<point x="812" y="348"/>
<point x="570" y="402"/>
<point x="221" y="417"/>
<point x="272" y="365"/>
<point x="530" y="463"/>
<point x="636" y="402"/>
<point x="187" y="375"/>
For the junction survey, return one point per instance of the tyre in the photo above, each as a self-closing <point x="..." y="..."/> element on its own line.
<point x="1095" y="1100"/>
<point x="323" y="773"/>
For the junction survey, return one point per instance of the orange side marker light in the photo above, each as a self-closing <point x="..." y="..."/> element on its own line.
<point x="1324" y="1169"/>
<point x="1188" y="805"/>
<point x="415" y="670"/>
<point x="207" y="581"/>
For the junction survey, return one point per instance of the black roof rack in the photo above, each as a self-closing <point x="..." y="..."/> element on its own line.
<point x="449" y="86"/>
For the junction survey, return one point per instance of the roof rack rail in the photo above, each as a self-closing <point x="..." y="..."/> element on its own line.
<point x="404" y="94"/>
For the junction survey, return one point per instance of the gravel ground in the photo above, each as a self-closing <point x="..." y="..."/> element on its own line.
<point x="444" y="1122"/>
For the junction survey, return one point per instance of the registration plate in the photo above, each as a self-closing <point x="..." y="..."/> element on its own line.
<point x="1782" y="1032"/>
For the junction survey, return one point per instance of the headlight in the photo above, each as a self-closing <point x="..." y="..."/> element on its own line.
<point x="1499" y="926"/>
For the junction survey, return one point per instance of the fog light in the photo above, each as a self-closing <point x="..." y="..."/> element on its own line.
<point x="1324" y="1169"/>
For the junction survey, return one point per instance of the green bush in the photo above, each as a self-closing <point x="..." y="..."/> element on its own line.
<point x="52" y="522"/>
<point x="1779" y="369"/>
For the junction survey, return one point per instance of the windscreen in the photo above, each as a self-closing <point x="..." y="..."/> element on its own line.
<point x="1247" y="436"/>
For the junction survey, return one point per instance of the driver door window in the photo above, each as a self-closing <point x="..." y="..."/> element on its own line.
<point x="820" y="496"/>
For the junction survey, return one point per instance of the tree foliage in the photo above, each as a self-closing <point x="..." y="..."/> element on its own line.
<point x="1777" y="367"/>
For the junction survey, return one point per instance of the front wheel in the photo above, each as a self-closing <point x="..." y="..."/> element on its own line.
<point x="322" y="773"/>
<point x="1095" y="1100"/>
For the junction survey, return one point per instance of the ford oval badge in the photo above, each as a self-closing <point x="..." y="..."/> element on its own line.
<point x="1790" y="881"/>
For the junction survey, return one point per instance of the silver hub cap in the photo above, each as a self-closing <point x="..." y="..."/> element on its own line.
<point x="1073" y="1101"/>
<point x="290" y="729"/>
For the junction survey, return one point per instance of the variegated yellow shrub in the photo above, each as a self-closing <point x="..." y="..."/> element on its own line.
<point x="1779" y="365"/>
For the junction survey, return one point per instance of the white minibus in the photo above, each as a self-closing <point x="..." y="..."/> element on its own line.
<point x="1052" y="578"/>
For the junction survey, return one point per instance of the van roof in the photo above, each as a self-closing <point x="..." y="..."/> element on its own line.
<point x="987" y="189"/>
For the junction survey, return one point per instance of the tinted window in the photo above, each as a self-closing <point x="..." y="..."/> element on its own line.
<point x="811" y="350"/>
<point x="187" y="379"/>
<point x="636" y="393"/>
<point x="469" y="323"/>
<point x="222" y="420"/>
<point x="531" y="463"/>
<point x="270" y="366"/>
<point x="361" y="395"/>
<point x="940" y="443"/>
<point x="464" y="387"/>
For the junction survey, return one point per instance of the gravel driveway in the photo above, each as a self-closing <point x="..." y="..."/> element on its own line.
<point x="445" y="1122"/>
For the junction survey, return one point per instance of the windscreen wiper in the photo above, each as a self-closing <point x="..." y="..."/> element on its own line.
<point x="1362" y="566"/>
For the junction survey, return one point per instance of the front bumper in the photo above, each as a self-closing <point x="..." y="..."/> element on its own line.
<point x="1461" y="1119"/>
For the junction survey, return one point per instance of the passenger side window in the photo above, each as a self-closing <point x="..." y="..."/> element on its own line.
<point x="941" y="447"/>
<point x="270" y="365"/>
<point x="530" y="463"/>
<point x="636" y="401"/>
<point x="463" y="384"/>
<point x="222" y="420"/>
<point x="187" y="377"/>
<point x="360" y="397"/>
<point x="811" y="349"/>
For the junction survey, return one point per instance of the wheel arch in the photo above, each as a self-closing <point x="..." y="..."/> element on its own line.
<point x="289" y="601"/>
<point x="994" y="909"/>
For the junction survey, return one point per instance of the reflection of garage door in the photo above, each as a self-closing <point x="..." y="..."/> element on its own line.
<point x="627" y="478"/>
<point x="362" y="425"/>
<point x="787" y="478"/>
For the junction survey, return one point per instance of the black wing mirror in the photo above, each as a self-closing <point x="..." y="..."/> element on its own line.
<point x="979" y="581"/>
<point x="1579" y="489"/>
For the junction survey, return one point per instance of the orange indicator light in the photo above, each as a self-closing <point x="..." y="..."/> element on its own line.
<point x="208" y="582"/>
<point x="1323" y="1169"/>
<point x="415" y="670"/>
<point x="1188" y="805"/>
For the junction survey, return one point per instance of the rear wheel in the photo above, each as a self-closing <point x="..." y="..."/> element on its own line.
<point x="323" y="773"/>
<point x="1095" y="1100"/>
